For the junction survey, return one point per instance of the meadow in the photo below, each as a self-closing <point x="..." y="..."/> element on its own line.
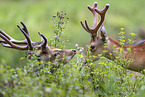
<point x="22" y="77"/>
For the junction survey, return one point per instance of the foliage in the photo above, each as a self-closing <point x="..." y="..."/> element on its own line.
<point x="60" y="20"/>
<point x="72" y="79"/>
<point x="104" y="78"/>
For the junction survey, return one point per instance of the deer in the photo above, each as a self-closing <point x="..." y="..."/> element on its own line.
<point x="98" y="42"/>
<point x="45" y="52"/>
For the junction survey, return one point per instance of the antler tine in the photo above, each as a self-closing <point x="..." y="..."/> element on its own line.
<point x="44" y="41"/>
<point x="102" y="13"/>
<point x="6" y="35"/>
<point x="87" y="26"/>
<point x="93" y="31"/>
<point x="10" y="44"/>
<point x="84" y="26"/>
<point x="26" y="34"/>
<point x="92" y="9"/>
<point x="12" y="39"/>
<point x="25" y="28"/>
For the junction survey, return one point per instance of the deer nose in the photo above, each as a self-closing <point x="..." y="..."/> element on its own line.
<point x="92" y="47"/>
<point x="74" y="50"/>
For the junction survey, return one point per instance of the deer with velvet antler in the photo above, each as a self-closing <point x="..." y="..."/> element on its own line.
<point x="45" y="52"/>
<point x="98" y="42"/>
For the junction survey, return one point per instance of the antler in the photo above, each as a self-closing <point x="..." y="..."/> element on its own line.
<point x="12" y="43"/>
<point x="93" y="31"/>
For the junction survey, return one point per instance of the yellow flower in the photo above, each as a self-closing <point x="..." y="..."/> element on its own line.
<point x="132" y="34"/>
<point x="122" y="28"/>
<point x="110" y="54"/>
<point x="22" y="58"/>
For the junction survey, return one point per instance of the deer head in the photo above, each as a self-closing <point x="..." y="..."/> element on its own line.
<point x="45" y="52"/>
<point x="97" y="44"/>
<point x="97" y="41"/>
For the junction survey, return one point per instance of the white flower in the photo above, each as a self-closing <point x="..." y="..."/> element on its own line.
<point x="47" y="89"/>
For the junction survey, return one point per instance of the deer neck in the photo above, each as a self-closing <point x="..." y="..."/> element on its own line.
<point x="112" y="46"/>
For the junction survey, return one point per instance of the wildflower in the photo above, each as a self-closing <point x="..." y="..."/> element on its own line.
<point x="122" y="28"/>
<point x="132" y="34"/>
<point x="22" y="58"/>
<point x="67" y="17"/>
<point x="81" y="50"/>
<point x="83" y="59"/>
<point x="54" y="16"/>
<point x="47" y="89"/>
<point x="77" y="46"/>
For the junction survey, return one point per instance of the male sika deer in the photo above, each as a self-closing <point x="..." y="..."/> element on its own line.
<point x="98" y="41"/>
<point x="45" y="52"/>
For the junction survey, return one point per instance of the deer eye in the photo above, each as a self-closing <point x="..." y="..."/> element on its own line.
<point x="92" y="47"/>
<point x="57" y="53"/>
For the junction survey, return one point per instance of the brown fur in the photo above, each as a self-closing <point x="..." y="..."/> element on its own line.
<point x="137" y="52"/>
<point x="50" y="54"/>
<point x="97" y="42"/>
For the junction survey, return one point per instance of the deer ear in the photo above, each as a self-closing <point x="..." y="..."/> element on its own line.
<point x="103" y="33"/>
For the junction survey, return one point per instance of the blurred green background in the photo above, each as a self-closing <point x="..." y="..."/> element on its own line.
<point x="37" y="15"/>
